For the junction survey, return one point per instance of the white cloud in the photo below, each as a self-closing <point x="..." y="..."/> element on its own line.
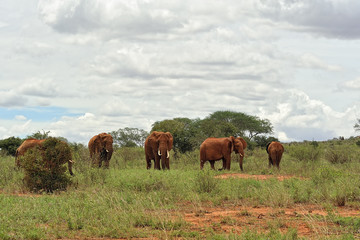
<point x="350" y="85"/>
<point x="308" y="60"/>
<point x="301" y="117"/>
<point x="330" y="18"/>
<point x="20" y="117"/>
<point x="11" y="98"/>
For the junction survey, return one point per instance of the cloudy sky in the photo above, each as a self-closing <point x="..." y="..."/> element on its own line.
<point x="80" y="67"/>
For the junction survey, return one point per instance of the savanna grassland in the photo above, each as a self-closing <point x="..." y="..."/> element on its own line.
<point x="315" y="195"/>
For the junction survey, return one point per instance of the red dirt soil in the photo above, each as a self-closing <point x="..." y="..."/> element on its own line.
<point x="257" y="177"/>
<point x="308" y="219"/>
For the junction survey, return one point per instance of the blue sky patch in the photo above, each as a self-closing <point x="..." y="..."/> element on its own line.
<point x="38" y="114"/>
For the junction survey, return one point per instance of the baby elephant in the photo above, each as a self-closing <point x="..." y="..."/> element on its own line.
<point x="275" y="151"/>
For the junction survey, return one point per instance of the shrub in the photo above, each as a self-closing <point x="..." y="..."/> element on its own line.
<point x="304" y="152"/>
<point x="43" y="166"/>
<point x="339" y="154"/>
<point x="205" y="181"/>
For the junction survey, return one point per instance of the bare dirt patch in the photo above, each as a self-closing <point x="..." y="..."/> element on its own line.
<point x="309" y="220"/>
<point x="257" y="177"/>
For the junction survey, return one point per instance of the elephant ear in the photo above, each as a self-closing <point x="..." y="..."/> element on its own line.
<point x="267" y="147"/>
<point x="170" y="140"/>
<point x="97" y="140"/>
<point x="243" y="142"/>
<point x="154" y="137"/>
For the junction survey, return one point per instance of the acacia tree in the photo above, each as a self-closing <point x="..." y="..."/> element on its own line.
<point x="129" y="137"/>
<point x="39" y="135"/>
<point x="241" y="124"/>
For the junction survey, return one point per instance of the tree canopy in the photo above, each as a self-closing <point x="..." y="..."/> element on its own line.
<point x="9" y="145"/>
<point x="129" y="137"/>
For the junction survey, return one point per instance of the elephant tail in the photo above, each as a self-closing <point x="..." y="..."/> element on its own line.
<point x="202" y="154"/>
<point x="278" y="154"/>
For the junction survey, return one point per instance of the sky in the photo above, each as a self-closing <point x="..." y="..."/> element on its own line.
<point x="77" y="68"/>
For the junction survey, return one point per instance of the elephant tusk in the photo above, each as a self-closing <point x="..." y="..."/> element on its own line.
<point x="159" y="153"/>
<point x="71" y="161"/>
<point x="107" y="150"/>
<point x="241" y="155"/>
<point x="168" y="154"/>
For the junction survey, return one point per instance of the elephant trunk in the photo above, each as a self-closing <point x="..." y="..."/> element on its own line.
<point x="70" y="163"/>
<point x="163" y="152"/>
<point x="241" y="161"/>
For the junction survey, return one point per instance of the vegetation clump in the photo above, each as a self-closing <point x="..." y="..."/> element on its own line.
<point x="44" y="166"/>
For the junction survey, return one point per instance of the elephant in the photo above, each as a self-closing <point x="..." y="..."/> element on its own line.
<point x="32" y="143"/>
<point x="101" y="149"/>
<point x="214" y="149"/>
<point x="158" y="146"/>
<point x="275" y="151"/>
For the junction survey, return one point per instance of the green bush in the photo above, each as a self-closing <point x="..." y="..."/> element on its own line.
<point x="339" y="154"/>
<point x="206" y="183"/>
<point x="304" y="152"/>
<point x="43" y="166"/>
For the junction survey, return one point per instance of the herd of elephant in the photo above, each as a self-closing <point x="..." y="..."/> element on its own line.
<point x="157" y="146"/>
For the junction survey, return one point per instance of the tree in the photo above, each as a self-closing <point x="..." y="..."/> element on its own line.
<point x="9" y="145"/>
<point x="241" y="124"/>
<point x="357" y="125"/>
<point x="129" y="137"/>
<point x="39" y="135"/>
<point x="262" y="141"/>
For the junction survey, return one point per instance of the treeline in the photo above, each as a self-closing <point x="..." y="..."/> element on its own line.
<point x="188" y="133"/>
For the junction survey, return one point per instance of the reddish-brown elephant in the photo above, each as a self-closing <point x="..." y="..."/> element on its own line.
<point x="158" y="146"/>
<point x="275" y="151"/>
<point x="213" y="149"/>
<point x="31" y="143"/>
<point x="101" y="149"/>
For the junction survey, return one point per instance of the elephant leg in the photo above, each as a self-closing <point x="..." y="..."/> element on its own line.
<point x="168" y="163"/>
<point x="148" y="162"/>
<point x="157" y="163"/>
<point x="228" y="163"/>
<point x="201" y="164"/>
<point x="270" y="162"/>
<point x="241" y="163"/>
<point x="100" y="163"/>
<point x="212" y="163"/>
<point x="106" y="163"/>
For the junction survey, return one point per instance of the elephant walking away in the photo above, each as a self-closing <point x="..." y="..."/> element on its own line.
<point x="157" y="147"/>
<point x="214" y="149"/>
<point x="275" y="151"/>
<point x="101" y="149"/>
<point x="31" y="143"/>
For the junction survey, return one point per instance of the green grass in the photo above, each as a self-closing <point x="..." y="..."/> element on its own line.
<point x="128" y="201"/>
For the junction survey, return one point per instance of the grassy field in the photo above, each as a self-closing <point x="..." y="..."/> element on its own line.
<point x="128" y="201"/>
